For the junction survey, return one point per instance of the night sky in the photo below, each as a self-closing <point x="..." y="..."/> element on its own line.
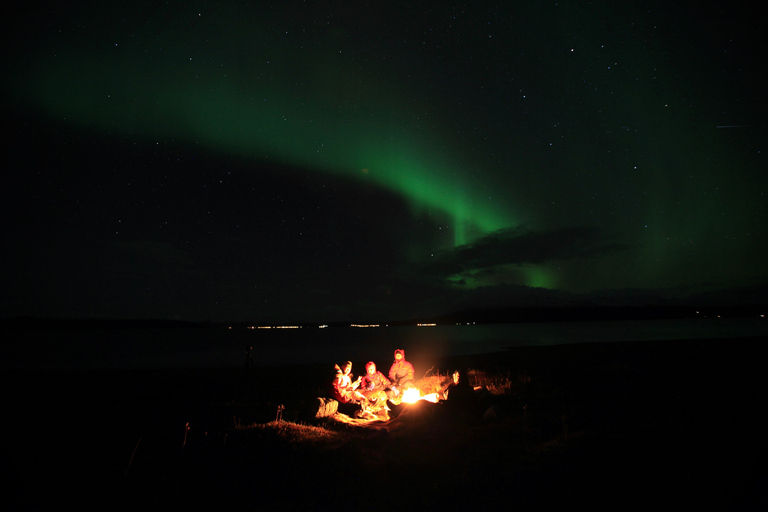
<point x="329" y="161"/>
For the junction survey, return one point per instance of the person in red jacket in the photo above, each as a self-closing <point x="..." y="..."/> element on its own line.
<point x="374" y="386"/>
<point x="374" y="380"/>
<point x="401" y="372"/>
<point x="347" y="371"/>
<point x="344" y="390"/>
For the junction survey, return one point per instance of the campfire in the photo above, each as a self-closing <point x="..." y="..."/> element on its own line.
<point x="413" y="395"/>
<point x="428" y="389"/>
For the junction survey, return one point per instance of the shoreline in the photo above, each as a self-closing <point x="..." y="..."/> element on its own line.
<point x="204" y="348"/>
<point x="504" y="356"/>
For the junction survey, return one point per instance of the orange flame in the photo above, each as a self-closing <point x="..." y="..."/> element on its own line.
<point x="413" y="395"/>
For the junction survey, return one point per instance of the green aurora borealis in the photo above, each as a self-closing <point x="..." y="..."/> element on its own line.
<point x="498" y="126"/>
<point x="266" y="109"/>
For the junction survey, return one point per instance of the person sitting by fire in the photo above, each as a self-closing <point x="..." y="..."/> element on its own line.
<point x="344" y="390"/>
<point x="401" y="373"/>
<point x="461" y="398"/>
<point x="374" y="385"/>
<point x="347" y="371"/>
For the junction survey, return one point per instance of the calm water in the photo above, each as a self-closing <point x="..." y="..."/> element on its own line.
<point x="200" y="348"/>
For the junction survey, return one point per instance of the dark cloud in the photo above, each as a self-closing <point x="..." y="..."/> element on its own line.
<point x="520" y="246"/>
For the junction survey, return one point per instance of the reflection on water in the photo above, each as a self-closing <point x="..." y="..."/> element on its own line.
<point x="220" y="347"/>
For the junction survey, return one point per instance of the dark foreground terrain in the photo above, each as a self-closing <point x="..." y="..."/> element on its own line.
<point x="592" y="426"/>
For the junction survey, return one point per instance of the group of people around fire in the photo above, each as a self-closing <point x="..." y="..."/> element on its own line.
<point x="374" y="388"/>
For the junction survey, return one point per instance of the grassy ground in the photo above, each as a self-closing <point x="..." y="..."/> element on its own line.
<point x="606" y="426"/>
